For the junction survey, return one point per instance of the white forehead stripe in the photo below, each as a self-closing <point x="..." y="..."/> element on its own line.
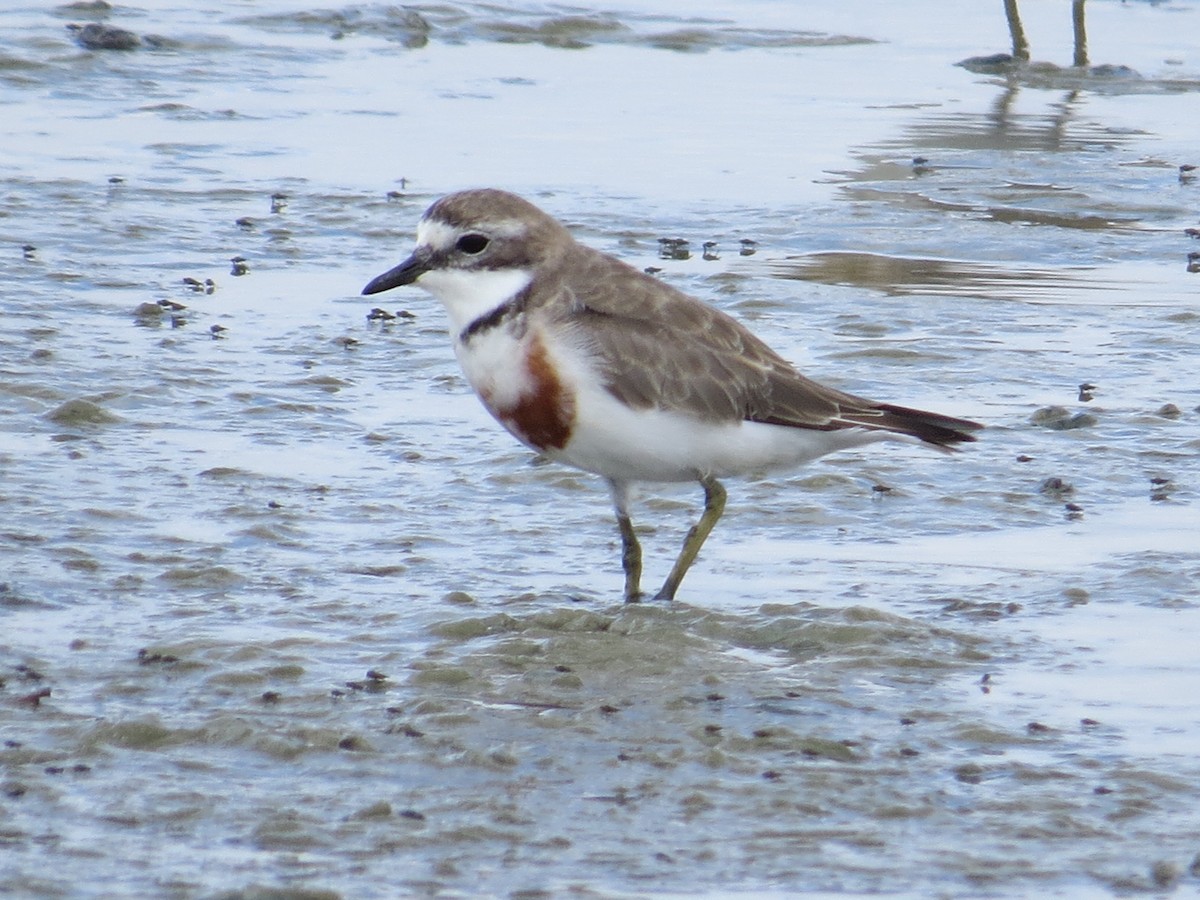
<point x="432" y="233"/>
<point x="438" y="235"/>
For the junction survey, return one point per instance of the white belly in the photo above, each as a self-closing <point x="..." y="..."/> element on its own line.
<point x="624" y="444"/>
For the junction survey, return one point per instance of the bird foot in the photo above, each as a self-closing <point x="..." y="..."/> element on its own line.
<point x="640" y="596"/>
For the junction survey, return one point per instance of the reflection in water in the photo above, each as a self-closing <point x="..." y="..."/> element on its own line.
<point x="1095" y="285"/>
<point x="512" y="24"/>
<point x="899" y="275"/>
<point x="1005" y="164"/>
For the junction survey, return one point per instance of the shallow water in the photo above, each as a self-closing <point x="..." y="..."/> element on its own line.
<point x="282" y="610"/>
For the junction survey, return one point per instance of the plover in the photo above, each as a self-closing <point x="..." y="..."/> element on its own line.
<point x="602" y="367"/>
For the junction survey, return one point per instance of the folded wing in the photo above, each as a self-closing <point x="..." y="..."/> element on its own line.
<point x="658" y="347"/>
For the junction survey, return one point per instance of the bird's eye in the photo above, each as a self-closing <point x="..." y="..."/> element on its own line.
<point x="472" y="243"/>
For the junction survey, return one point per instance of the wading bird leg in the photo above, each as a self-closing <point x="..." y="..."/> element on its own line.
<point x="631" y="550"/>
<point x="714" y="505"/>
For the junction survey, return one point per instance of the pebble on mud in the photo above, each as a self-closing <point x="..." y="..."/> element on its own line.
<point x="1169" y="411"/>
<point x="1059" y="418"/>
<point x="148" y="314"/>
<point x="1076" y="596"/>
<point x="1160" y="488"/>
<point x="81" y="412"/>
<point x="1164" y="874"/>
<point x="207" y="286"/>
<point x="94" y="36"/>
<point x="673" y="248"/>
<point x="1056" y="487"/>
<point x="36" y="698"/>
<point x="378" y="810"/>
<point x="147" y="657"/>
<point x="969" y="773"/>
<point x="13" y="789"/>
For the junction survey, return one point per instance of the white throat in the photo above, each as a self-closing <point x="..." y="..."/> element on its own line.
<point x="468" y="294"/>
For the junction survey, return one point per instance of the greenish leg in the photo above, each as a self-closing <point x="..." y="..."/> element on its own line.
<point x="714" y="505"/>
<point x="631" y="559"/>
<point x="631" y="550"/>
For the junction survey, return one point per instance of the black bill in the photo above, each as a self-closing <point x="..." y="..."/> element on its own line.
<point x="405" y="273"/>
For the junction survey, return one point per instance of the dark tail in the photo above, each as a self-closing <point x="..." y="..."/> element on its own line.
<point x="933" y="428"/>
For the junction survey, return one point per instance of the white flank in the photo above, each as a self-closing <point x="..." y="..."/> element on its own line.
<point x="626" y="444"/>
<point x="621" y="443"/>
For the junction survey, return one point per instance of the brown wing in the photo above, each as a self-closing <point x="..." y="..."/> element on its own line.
<point x="658" y="347"/>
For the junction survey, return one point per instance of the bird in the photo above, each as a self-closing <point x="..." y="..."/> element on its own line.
<point x="600" y="366"/>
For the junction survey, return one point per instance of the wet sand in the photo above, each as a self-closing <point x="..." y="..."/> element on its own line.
<point x="282" y="610"/>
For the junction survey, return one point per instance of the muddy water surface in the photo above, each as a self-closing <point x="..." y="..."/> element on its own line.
<point x="282" y="613"/>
